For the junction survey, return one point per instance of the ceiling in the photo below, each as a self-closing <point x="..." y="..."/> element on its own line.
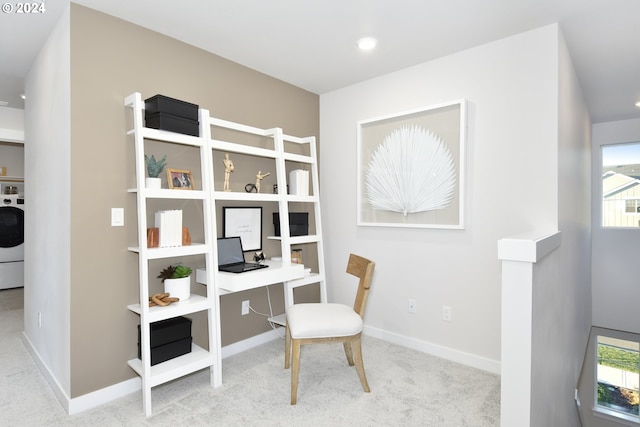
<point x="312" y="44"/>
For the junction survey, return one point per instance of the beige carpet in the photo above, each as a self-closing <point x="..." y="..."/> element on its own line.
<point x="408" y="388"/>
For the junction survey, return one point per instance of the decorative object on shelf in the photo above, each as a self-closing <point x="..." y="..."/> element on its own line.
<point x="411" y="168"/>
<point x="153" y="237"/>
<point x="258" y="257"/>
<point x="162" y="300"/>
<point x="259" y="177"/>
<point x="177" y="281"/>
<point x="154" y="169"/>
<point x="296" y="256"/>
<point x="245" y="222"/>
<point x="299" y="182"/>
<point x="250" y="188"/>
<point x="180" y="179"/>
<point x="186" y="236"/>
<point x="275" y="189"/>
<point x="3" y="171"/>
<point x="228" y="168"/>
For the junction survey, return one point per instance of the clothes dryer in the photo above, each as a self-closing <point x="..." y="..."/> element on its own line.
<point x="11" y="241"/>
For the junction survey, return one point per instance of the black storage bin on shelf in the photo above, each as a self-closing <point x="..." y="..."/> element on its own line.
<point x="175" y="107"/>
<point x="298" y="223"/>
<point x="169" y="338"/>
<point x="174" y="115"/>
<point x="171" y="123"/>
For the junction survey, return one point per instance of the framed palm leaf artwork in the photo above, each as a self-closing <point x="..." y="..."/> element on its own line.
<point x="411" y="168"/>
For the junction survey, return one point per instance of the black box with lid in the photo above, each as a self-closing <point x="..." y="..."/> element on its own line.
<point x="298" y="223"/>
<point x="169" y="338"/>
<point x="174" y="115"/>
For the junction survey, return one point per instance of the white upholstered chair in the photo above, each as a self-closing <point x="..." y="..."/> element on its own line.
<point x="326" y="322"/>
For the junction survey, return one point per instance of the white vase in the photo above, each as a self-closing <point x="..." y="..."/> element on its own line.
<point x="178" y="288"/>
<point x="153" y="183"/>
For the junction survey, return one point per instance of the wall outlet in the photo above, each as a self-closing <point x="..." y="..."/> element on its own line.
<point x="446" y="314"/>
<point x="245" y="307"/>
<point x="413" y="306"/>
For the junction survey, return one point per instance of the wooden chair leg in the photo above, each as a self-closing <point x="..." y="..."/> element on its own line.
<point x="287" y="347"/>
<point x="357" y="352"/>
<point x="295" y="367"/>
<point x="349" y="352"/>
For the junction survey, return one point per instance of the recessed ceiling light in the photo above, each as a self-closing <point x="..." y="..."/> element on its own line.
<point x="367" y="43"/>
<point x="638" y="104"/>
<point x="23" y="96"/>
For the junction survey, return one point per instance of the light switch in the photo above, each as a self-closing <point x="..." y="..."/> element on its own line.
<point x="117" y="217"/>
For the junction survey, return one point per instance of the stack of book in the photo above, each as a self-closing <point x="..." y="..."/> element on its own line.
<point x="169" y="224"/>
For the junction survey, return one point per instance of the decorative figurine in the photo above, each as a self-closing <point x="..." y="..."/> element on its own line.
<point x="228" y="168"/>
<point x="258" y="257"/>
<point x="259" y="178"/>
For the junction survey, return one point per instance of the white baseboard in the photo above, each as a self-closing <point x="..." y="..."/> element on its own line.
<point x="457" y="356"/>
<point x="104" y="395"/>
<point x="57" y="389"/>
<point x="133" y="385"/>
<point x="124" y="388"/>
<point x="255" y="341"/>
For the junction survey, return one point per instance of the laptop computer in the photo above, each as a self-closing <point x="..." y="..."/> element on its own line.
<point x="231" y="256"/>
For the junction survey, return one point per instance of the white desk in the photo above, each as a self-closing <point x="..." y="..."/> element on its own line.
<point x="234" y="282"/>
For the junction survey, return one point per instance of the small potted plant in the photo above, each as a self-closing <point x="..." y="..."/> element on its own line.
<point x="154" y="169"/>
<point x="177" y="281"/>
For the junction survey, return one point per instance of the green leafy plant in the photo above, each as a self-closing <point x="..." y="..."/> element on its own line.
<point x="155" y="168"/>
<point x="175" y="272"/>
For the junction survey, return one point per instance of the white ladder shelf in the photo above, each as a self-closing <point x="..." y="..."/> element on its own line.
<point x="198" y="358"/>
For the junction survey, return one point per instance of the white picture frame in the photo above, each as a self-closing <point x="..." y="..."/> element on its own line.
<point x="245" y="222"/>
<point x="411" y="168"/>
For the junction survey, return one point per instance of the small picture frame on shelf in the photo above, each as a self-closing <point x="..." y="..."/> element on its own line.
<point x="180" y="179"/>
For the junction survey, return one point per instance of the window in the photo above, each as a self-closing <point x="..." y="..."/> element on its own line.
<point x="632" y="206"/>
<point x="621" y="185"/>
<point x="617" y="377"/>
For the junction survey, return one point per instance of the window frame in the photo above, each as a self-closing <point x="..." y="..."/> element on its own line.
<point x="603" y="411"/>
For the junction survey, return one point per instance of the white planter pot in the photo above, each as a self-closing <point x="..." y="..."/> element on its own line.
<point x="178" y="288"/>
<point x="153" y="183"/>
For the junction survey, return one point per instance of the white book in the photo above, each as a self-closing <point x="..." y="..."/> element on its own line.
<point x="161" y="225"/>
<point x="177" y="227"/>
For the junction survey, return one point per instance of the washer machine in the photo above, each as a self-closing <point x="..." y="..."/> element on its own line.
<point x="11" y="241"/>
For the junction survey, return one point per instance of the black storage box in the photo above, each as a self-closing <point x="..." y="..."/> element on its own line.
<point x="162" y="112"/>
<point x="168" y="351"/>
<point x="172" y="123"/>
<point x="298" y="223"/>
<point x="169" y="338"/>
<point x="175" y="107"/>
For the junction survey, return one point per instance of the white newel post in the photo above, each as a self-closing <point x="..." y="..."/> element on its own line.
<point x="518" y="255"/>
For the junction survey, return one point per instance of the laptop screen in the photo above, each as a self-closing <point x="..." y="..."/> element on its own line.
<point x="230" y="251"/>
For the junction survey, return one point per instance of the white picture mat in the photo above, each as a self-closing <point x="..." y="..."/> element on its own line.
<point x="245" y="222"/>
<point x="448" y="121"/>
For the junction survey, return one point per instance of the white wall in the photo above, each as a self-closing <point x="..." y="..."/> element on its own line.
<point x="511" y="86"/>
<point x="616" y="269"/>
<point x="561" y="291"/>
<point x="11" y="124"/>
<point x="47" y="177"/>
